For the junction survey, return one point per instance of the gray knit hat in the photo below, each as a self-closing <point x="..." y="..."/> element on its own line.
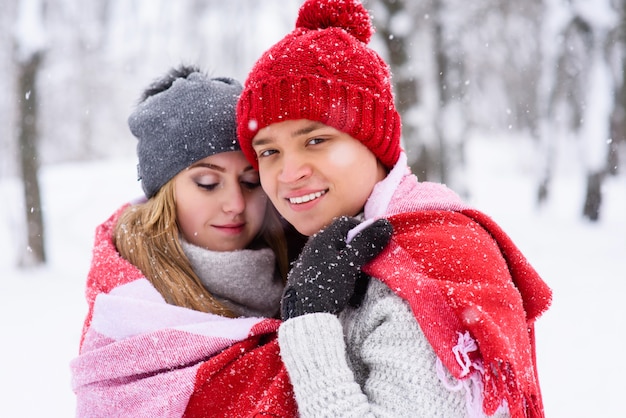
<point x="191" y="120"/>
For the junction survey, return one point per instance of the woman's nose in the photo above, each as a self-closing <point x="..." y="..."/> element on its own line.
<point x="234" y="201"/>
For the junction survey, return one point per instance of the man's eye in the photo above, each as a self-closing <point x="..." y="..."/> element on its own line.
<point x="267" y="153"/>
<point x="315" y="141"/>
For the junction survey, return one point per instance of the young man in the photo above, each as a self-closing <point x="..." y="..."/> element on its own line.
<point x="442" y="324"/>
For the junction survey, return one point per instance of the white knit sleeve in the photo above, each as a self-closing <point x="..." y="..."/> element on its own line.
<point x="313" y="350"/>
<point x="386" y="369"/>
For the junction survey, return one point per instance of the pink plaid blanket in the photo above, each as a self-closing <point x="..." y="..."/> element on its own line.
<point x="141" y="357"/>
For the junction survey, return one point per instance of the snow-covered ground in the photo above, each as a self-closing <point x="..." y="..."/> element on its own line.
<point x="580" y="340"/>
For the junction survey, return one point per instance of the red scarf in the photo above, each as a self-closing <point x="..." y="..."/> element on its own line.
<point x="460" y="272"/>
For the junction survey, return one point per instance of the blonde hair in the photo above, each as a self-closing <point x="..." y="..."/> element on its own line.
<point x="147" y="235"/>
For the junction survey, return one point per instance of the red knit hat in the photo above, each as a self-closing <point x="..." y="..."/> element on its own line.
<point x="323" y="71"/>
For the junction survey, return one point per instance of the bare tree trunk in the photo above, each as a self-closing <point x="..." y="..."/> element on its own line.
<point x="406" y="87"/>
<point x="442" y="70"/>
<point x="28" y="69"/>
<point x="618" y="117"/>
<point x="593" y="196"/>
<point x="585" y="53"/>
<point x="598" y="167"/>
<point x="451" y="122"/>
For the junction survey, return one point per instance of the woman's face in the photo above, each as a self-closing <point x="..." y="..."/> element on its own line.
<point x="313" y="173"/>
<point x="220" y="204"/>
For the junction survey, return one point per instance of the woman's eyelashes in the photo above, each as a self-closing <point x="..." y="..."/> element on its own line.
<point x="205" y="186"/>
<point x="250" y="180"/>
<point x="246" y="184"/>
<point x="251" y="185"/>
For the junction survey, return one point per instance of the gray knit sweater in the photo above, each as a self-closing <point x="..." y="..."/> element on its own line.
<point x="373" y="361"/>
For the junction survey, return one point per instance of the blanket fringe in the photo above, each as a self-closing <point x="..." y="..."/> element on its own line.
<point x="471" y="381"/>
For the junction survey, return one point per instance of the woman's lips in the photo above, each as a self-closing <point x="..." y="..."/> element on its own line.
<point x="231" y="228"/>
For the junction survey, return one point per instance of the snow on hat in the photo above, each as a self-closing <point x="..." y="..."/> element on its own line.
<point x="191" y="120"/>
<point x="324" y="71"/>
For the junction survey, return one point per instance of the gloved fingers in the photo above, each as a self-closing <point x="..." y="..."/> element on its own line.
<point x="339" y="227"/>
<point x="334" y="235"/>
<point x="288" y="306"/>
<point x="370" y="242"/>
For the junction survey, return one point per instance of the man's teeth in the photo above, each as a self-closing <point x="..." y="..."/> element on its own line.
<point x="305" y="198"/>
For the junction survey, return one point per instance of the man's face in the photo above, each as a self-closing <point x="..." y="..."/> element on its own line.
<point x="314" y="173"/>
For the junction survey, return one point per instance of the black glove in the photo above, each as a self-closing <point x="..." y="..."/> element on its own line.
<point x="323" y="277"/>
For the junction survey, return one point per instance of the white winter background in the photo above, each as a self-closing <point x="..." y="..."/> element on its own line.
<point x="580" y="339"/>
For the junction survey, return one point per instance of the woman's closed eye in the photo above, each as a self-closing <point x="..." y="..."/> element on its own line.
<point x="250" y="179"/>
<point x="207" y="186"/>
<point x="251" y="185"/>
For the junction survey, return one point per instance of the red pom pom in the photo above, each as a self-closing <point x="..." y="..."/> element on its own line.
<point x="349" y="15"/>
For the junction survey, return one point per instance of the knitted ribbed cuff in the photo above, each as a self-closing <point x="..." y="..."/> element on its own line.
<point x="313" y="344"/>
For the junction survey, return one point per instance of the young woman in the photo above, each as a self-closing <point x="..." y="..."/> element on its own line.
<point x="442" y="325"/>
<point x="183" y="285"/>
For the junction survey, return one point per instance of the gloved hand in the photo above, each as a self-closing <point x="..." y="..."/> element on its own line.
<point x="324" y="275"/>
